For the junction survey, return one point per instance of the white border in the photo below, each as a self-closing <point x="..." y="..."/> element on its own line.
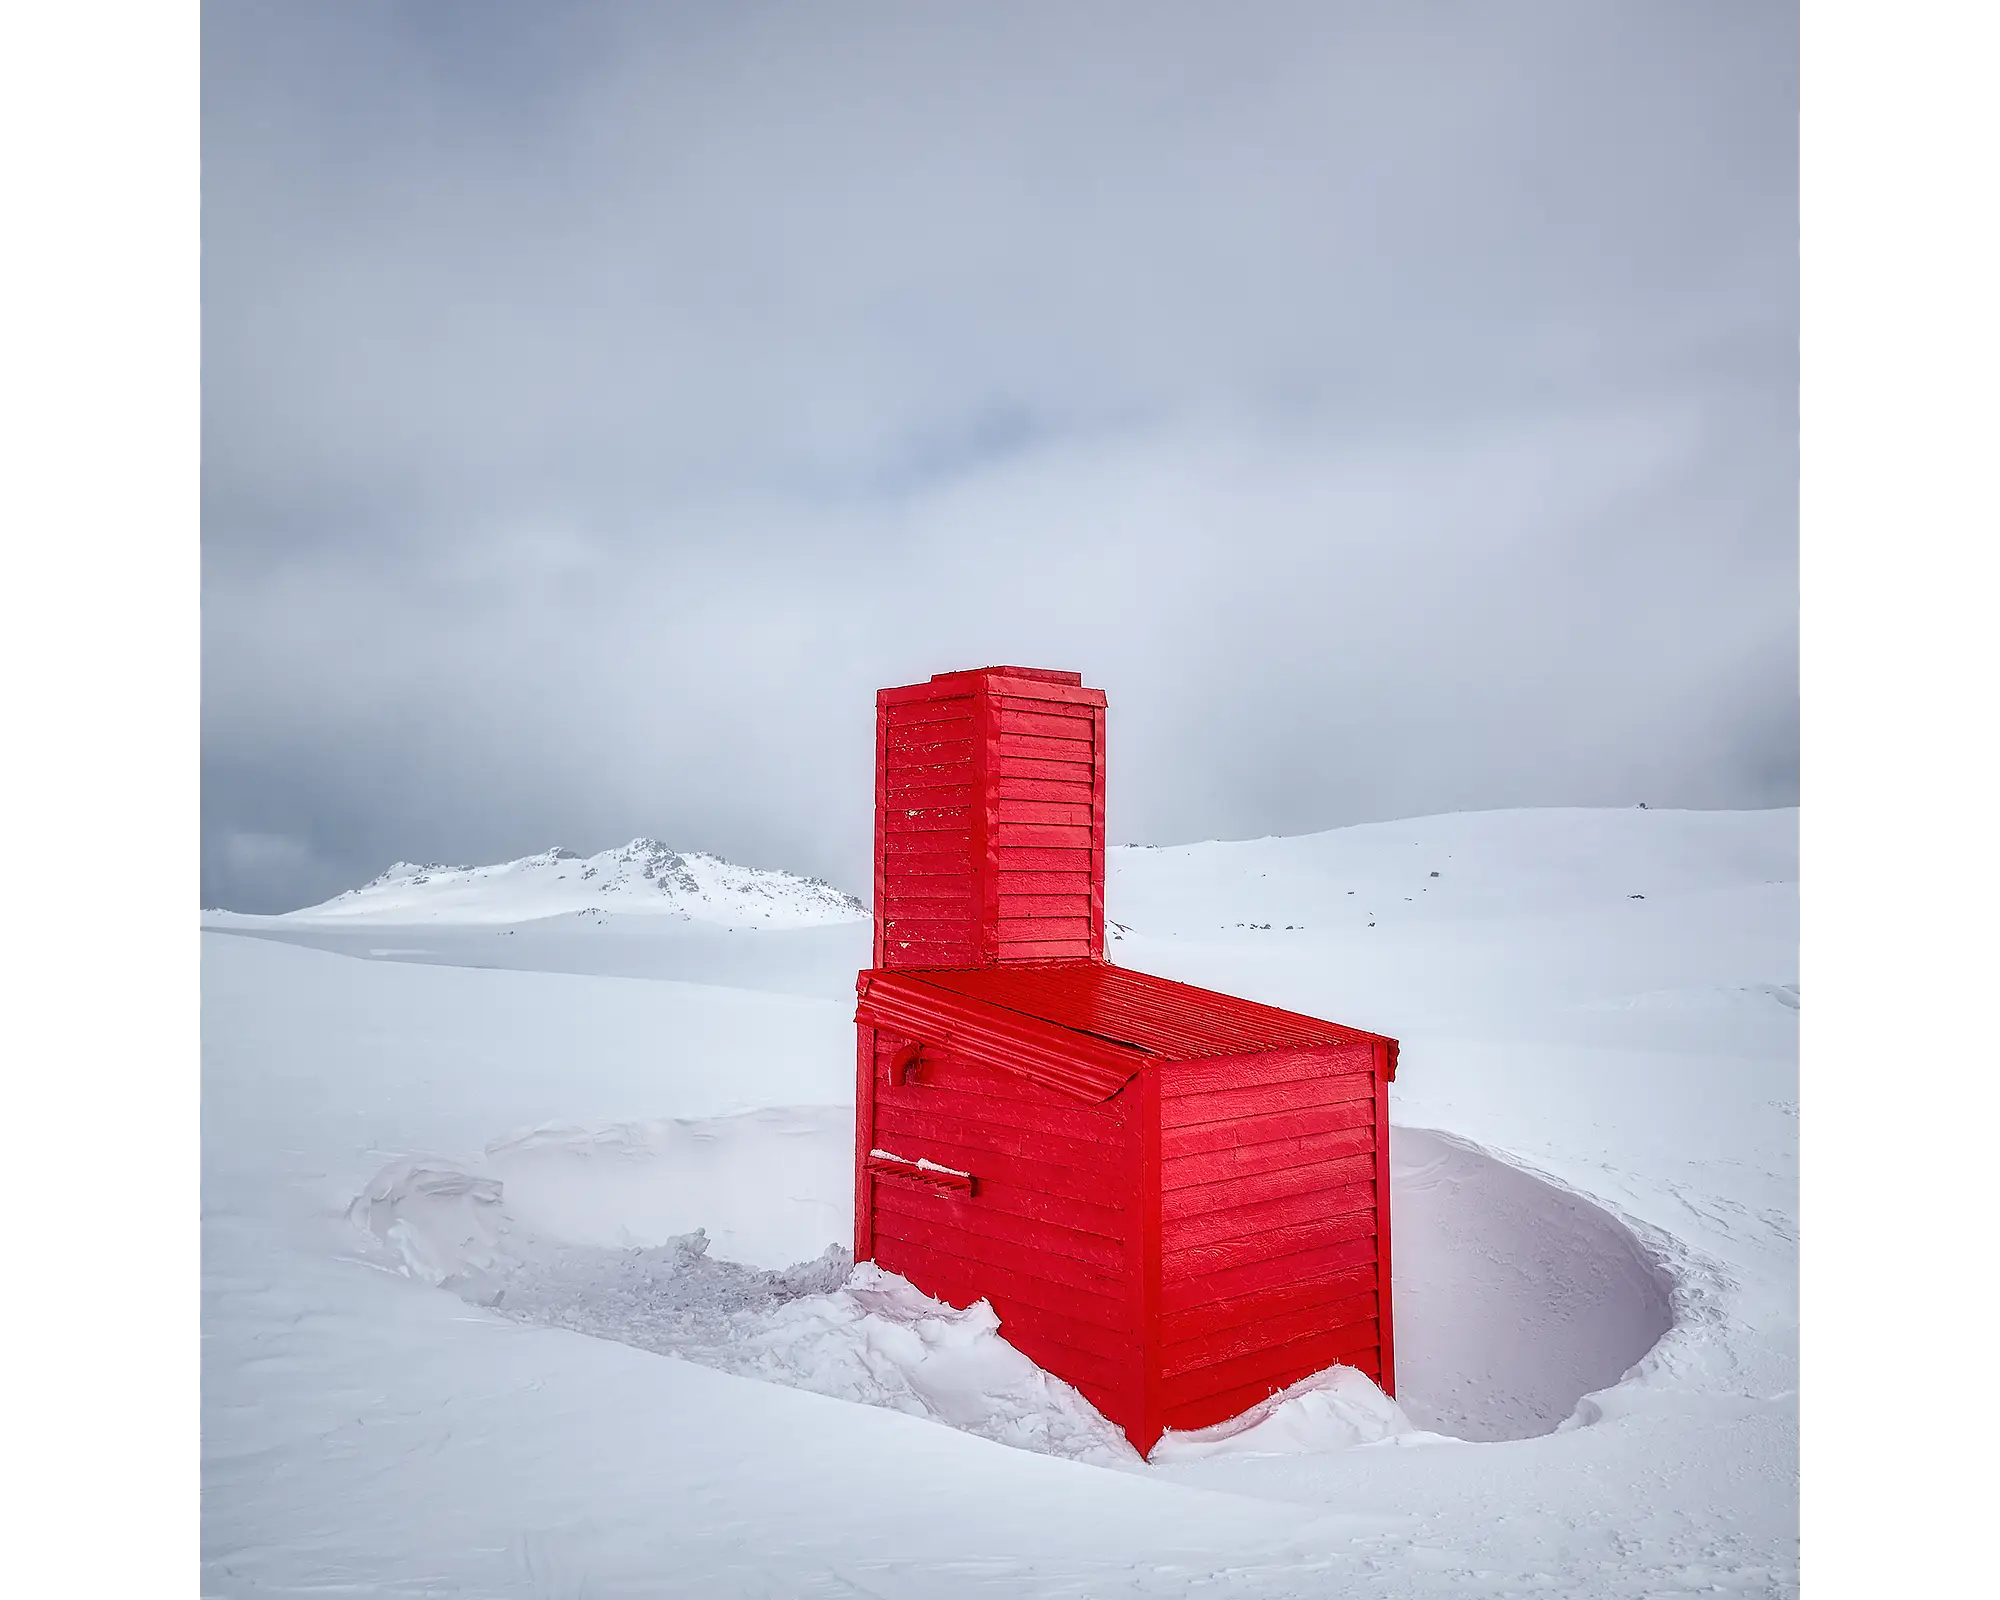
<point x="99" y="137"/>
<point x="1899" y="519"/>
<point x="100" y="651"/>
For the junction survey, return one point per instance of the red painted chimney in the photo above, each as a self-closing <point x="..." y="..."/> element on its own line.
<point x="989" y="819"/>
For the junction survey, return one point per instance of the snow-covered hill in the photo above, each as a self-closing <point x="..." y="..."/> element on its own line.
<point x="643" y="876"/>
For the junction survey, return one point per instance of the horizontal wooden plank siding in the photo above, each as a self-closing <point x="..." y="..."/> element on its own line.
<point x="927" y="819"/>
<point x="1045" y="838"/>
<point x="931" y="924"/>
<point x="1033" y="724"/>
<point x="1250" y="1221"/>
<point x="1053" y="1343"/>
<point x="1273" y="1243"/>
<point x="922" y="1115"/>
<point x="1271" y="1066"/>
<point x="937" y="762"/>
<point x="1033" y="1249"/>
<point x="1086" y="1338"/>
<point x="1029" y="748"/>
<point x="1246" y="1338"/>
<point x="1004" y="1097"/>
<point x="1060" y="703"/>
<point x="928" y="896"/>
<point x="1063" y="1280"/>
<point x="1042" y="930"/>
<point x="1269" y="1265"/>
<point x="926" y="904"/>
<point x="1022" y="883"/>
<point x="1278" y="1366"/>
<point x="1046" y="691"/>
<point x="1242" y="1133"/>
<point x="1191" y="1281"/>
<point x="1046" y="1235"/>
<point x="1240" y="1190"/>
<point x="1054" y="805"/>
<point x="1071" y="768"/>
<point x="942" y="708"/>
<point x="972" y="1150"/>
<point x="1224" y="1105"/>
<point x="930" y="786"/>
<point x="1322" y="1288"/>
<point x="943" y="767"/>
<point x="1060" y="1222"/>
<point x="917" y="954"/>
<point x="1017" y="858"/>
<point x="925" y="735"/>
<point x="1048" y="950"/>
<point x="955" y="849"/>
<point x="1019" y="907"/>
<point x="1184" y="1290"/>
<point x="1042" y="791"/>
<point x="1044" y="813"/>
<point x="1042" y="836"/>
<point x="950" y="882"/>
<point x="1219" y="1407"/>
<point x="903" y="872"/>
<point x="1247" y="1160"/>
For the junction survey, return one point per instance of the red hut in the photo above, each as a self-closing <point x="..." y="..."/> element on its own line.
<point x="1174" y="1200"/>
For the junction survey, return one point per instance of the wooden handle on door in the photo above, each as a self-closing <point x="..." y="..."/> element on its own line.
<point x="930" y="1177"/>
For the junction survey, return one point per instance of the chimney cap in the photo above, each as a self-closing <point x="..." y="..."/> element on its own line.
<point x="1037" y="674"/>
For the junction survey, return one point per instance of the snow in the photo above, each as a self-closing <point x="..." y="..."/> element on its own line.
<point x="518" y="1281"/>
<point x="642" y="877"/>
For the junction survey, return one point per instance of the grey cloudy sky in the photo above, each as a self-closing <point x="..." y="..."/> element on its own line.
<point x="1393" y="408"/>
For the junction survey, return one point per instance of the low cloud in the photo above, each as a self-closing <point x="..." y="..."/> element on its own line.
<point x="1392" y="413"/>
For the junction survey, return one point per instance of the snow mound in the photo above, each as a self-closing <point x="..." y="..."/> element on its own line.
<point x="1515" y="1298"/>
<point x="853" y="1333"/>
<point x="643" y="876"/>
<point x="1332" y="1410"/>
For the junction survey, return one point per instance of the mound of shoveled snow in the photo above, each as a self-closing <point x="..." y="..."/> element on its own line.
<point x="643" y="876"/>
<point x="855" y="1333"/>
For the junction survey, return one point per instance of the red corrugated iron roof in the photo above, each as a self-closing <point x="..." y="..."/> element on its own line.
<point x="1082" y="1027"/>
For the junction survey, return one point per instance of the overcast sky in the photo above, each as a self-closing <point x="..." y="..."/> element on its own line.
<point x="1393" y="408"/>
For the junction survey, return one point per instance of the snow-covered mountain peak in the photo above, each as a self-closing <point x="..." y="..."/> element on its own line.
<point x="408" y="872"/>
<point x="643" y="877"/>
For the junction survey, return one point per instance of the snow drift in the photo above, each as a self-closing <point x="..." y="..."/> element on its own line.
<point x="853" y="1333"/>
<point x="1516" y="1297"/>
